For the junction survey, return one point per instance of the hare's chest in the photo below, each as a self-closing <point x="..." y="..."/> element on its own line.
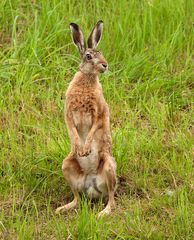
<point x="82" y="107"/>
<point x="83" y="102"/>
<point x="83" y="123"/>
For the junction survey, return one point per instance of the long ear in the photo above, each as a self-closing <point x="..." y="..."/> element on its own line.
<point x="78" y="37"/>
<point x="95" y="35"/>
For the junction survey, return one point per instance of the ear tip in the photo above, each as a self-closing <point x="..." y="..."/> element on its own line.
<point x="74" y="25"/>
<point x="100" y="21"/>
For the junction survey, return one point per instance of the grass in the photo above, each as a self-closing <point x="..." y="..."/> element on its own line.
<point x="149" y="88"/>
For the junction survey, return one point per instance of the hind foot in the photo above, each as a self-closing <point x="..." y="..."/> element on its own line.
<point x="67" y="207"/>
<point x="104" y="212"/>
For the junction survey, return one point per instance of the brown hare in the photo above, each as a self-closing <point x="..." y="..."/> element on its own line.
<point x="89" y="167"/>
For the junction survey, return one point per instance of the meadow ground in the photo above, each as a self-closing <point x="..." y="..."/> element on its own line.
<point x="149" y="88"/>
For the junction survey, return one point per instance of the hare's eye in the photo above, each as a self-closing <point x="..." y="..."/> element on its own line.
<point x="88" y="56"/>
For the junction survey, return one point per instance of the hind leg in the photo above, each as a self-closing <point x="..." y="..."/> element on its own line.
<point x="108" y="172"/>
<point x="72" y="174"/>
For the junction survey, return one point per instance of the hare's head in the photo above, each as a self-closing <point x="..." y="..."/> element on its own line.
<point x="93" y="61"/>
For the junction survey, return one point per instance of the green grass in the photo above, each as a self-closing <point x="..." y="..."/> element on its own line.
<point x="149" y="88"/>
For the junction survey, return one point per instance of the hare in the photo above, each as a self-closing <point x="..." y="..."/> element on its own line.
<point x="89" y="167"/>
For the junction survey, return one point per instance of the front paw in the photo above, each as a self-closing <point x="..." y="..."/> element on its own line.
<point x="77" y="148"/>
<point x="85" y="151"/>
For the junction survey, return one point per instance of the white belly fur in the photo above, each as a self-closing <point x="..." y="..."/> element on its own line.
<point x="91" y="183"/>
<point x="83" y="122"/>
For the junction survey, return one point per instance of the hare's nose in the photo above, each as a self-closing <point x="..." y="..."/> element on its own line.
<point x="104" y="65"/>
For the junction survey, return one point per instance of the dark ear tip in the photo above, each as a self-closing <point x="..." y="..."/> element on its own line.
<point x="100" y="21"/>
<point x="74" y="25"/>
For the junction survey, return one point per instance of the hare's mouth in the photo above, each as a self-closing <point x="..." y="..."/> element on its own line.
<point x="103" y="67"/>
